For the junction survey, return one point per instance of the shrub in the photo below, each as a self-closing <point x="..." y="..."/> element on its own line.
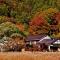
<point x="14" y="43"/>
<point x="8" y="28"/>
<point x="7" y="19"/>
<point x="2" y="19"/>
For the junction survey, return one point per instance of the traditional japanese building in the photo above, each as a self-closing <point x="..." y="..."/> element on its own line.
<point x="33" y="42"/>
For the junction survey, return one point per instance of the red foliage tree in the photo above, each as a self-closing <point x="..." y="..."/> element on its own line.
<point x="38" y="25"/>
<point x="37" y="21"/>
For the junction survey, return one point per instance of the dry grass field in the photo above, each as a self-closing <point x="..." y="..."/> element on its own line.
<point x="30" y="56"/>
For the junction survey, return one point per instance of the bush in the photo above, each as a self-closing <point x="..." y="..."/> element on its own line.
<point x="8" y="28"/>
<point x="14" y="43"/>
<point x="16" y="35"/>
<point x="3" y="19"/>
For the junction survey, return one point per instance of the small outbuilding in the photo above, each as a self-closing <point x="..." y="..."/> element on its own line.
<point x="56" y="44"/>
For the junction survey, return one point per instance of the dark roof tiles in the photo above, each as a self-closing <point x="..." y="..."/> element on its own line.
<point x="35" y="37"/>
<point x="47" y="41"/>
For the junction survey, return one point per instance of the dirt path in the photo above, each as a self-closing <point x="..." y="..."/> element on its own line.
<point x="30" y="56"/>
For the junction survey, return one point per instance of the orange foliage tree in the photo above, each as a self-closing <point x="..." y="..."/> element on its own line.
<point x="20" y="26"/>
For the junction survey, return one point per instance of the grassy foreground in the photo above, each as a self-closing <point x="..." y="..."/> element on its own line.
<point x="30" y="56"/>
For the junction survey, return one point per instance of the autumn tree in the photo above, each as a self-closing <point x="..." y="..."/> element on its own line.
<point x="38" y="25"/>
<point x="56" y="25"/>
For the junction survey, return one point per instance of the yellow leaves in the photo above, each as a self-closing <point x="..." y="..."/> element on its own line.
<point x="51" y="10"/>
<point x="6" y="19"/>
<point x="47" y="12"/>
<point x="56" y="35"/>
